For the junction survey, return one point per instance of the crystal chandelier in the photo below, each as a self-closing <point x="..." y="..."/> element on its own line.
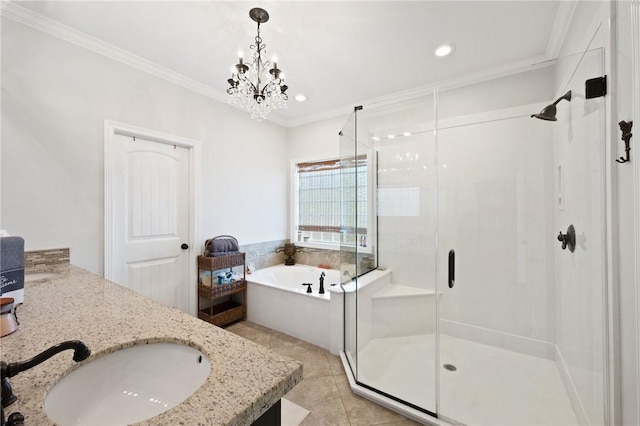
<point x="251" y="88"/>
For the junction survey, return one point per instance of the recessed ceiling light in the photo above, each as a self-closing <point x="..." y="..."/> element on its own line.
<point x="390" y="136"/>
<point x="406" y="134"/>
<point x="444" y="49"/>
<point x="375" y="138"/>
<point x="301" y="98"/>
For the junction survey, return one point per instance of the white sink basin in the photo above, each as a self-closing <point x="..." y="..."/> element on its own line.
<point x="128" y="386"/>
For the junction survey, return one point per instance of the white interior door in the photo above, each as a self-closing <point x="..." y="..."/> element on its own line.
<point x="151" y="219"/>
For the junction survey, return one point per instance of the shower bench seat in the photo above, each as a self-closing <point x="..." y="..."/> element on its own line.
<point x="400" y="310"/>
<point x="394" y="290"/>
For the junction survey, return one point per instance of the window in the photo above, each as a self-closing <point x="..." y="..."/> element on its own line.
<point x="322" y="217"/>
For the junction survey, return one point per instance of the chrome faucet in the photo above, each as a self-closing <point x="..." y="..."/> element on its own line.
<point x="81" y="352"/>
<point x="321" y="283"/>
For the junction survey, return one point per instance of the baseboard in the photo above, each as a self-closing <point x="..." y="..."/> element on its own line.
<point x="510" y="342"/>
<point x="570" y="388"/>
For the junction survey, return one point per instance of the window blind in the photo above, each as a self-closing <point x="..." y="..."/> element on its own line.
<point x="321" y="213"/>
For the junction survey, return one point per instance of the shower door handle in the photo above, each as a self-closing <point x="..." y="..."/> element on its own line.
<point x="452" y="268"/>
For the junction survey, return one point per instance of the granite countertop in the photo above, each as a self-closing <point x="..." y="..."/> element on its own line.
<point x="245" y="379"/>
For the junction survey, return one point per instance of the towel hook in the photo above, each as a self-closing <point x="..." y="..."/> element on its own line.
<point x="625" y="128"/>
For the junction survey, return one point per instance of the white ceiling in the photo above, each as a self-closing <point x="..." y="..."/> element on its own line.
<point x="338" y="53"/>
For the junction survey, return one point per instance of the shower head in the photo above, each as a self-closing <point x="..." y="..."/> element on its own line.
<point x="549" y="112"/>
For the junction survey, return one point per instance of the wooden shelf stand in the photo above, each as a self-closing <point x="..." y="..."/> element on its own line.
<point x="221" y="304"/>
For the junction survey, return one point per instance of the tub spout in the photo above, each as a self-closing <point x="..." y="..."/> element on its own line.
<point x="321" y="283"/>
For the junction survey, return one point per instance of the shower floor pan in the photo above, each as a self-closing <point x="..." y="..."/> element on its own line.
<point x="480" y="384"/>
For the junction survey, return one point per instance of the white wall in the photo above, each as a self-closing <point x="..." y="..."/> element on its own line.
<point x="318" y="139"/>
<point x="55" y="98"/>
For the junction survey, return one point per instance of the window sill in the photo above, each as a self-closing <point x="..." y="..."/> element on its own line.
<point x="317" y="245"/>
<point x="329" y="246"/>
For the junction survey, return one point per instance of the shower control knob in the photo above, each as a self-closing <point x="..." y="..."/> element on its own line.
<point x="568" y="239"/>
<point x="563" y="239"/>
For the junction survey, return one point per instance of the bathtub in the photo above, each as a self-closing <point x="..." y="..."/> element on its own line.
<point x="290" y="278"/>
<point x="278" y="300"/>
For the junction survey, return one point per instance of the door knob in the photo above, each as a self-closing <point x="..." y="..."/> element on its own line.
<point x="184" y="246"/>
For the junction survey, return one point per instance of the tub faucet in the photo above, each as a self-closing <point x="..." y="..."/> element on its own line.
<point x="321" y="283"/>
<point x="81" y="352"/>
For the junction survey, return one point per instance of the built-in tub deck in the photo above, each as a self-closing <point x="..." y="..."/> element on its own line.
<point x="278" y="300"/>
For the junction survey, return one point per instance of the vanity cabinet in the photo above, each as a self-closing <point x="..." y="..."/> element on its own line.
<point x="222" y="304"/>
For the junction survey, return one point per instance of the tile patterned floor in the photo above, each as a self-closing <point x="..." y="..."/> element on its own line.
<point x="324" y="389"/>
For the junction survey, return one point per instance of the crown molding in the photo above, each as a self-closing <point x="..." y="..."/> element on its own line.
<point x="66" y="33"/>
<point x="561" y="24"/>
<point x="447" y="84"/>
<point x="54" y="28"/>
<point x="566" y="10"/>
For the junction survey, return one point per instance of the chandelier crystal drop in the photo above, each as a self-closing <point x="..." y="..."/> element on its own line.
<point x="251" y="87"/>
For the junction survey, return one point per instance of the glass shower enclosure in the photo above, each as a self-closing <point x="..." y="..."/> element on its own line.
<point x="460" y="302"/>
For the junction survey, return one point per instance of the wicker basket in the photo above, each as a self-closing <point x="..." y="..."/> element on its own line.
<point x="224" y="313"/>
<point x="215" y="291"/>
<point x="220" y="262"/>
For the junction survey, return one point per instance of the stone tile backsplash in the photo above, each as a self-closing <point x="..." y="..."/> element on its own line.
<point x="263" y="255"/>
<point x="40" y="260"/>
<point x="315" y="257"/>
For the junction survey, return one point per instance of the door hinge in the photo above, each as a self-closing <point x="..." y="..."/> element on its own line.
<point x="595" y="87"/>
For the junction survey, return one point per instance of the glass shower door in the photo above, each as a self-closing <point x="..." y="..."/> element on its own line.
<point x="390" y="324"/>
<point x="521" y="320"/>
<point x="358" y="245"/>
<point x="347" y="246"/>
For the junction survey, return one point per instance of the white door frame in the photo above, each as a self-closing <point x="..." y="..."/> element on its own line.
<point x="635" y="158"/>
<point x="112" y="128"/>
